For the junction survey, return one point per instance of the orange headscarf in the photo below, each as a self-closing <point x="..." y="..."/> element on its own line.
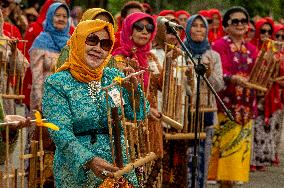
<point x="76" y="62"/>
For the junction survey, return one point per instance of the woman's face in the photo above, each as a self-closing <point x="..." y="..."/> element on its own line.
<point x="97" y="48"/>
<point x="182" y="20"/>
<point x="60" y="18"/>
<point x="215" y="21"/>
<point x="251" y="32"/>
<point x="279" y="36"/>
<point x="237" y="24"/>
<point x="142" y="31"/>
<point x="265" y="32"/>
<point x="198" y="30"/>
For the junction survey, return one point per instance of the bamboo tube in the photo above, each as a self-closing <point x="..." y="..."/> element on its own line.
<point x="185" y="119"/>
<point x="171" y="122"/>
<point x="33" y="165"/>
<point x="257" y="87"/>
<point x="123" y="79"/>
<point x="1" y="179"/>
<point x="110" y="127"/>
<point x="12" y="96"/>
<point x="131" y="142"/>
<point x="280" y="78"/>
<point x="7" y="162"/>
<point x="166" y="85"/>
<point x="178" y="110"/>
<point x="131" y="166"/>
<point x="205" y="109"/>
<point x="15" y="178"/>
<point x="124" y="126"/>
<point x="117" y="144"/>
<point x="22" y="161"/>
<point x="183" y="136"/>
<point x="41" y="158"/>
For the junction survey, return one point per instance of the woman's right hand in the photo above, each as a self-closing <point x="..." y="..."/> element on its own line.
<point x="102" y="168"/>
<point x="239" y="80"/>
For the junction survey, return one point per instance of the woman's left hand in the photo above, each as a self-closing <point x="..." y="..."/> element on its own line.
<point x="132" y="81"/>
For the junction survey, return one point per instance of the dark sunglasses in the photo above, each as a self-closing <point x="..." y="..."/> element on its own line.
<point x="140" y="27"/>
<point x="237" y="21"/>
<point x="278" y="36"/>
<point x="210" y="21"/>
<point x="264" y="31"/>
<point x="93" y="40"/>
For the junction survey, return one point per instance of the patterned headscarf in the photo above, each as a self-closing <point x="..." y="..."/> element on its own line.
<point x="91" y="13"/>
<point x="76" y="61"/>
<point x="51" y="38"/>
<point x="127" y="44"/>
<point x="196" y="48"/>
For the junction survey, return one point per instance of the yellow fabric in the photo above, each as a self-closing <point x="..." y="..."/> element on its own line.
<point x="40" y="123"/>
<point x="76" y="61"/>
<point x="230" y="156"/>
<point x="91" y="13"/>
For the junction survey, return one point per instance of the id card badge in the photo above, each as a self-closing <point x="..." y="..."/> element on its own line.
<point x="115" y="96"/>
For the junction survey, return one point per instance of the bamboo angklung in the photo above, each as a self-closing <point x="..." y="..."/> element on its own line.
<point x="175" y="102"/>
<point x="261" y="75"/>
<point x="12" y="69"/>
<point x="136" y="155"/>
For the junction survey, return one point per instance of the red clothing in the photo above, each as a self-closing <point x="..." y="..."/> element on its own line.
<point x="13" y="32"/>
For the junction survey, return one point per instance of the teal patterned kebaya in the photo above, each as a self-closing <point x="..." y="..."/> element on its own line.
<point x="77" y="107"/>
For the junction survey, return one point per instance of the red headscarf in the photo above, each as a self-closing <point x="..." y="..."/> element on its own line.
<point x="213" y="36"/>
<point x="180" y="12"/>
<point x="205" y="13"/>
<point x="128" y="45"/>
<point x="277" y="27"/>
<point x="166" y="12"/>
<point x="177" y="14"/>
<point x="258" y="25"/>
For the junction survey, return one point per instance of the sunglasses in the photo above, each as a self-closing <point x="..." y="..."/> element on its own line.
<point x="210" y="21"/>
<point x="140" y="27"/>
<point x="237" y="21"/>
<point x="93" y="40"/>
<point x="278" y="36"/>
<point x="264" y="31"/>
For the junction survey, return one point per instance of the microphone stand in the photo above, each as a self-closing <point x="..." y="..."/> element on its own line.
<point x="200" y="70"/>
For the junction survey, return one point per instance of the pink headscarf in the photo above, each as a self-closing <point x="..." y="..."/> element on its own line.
<point x="127" y="45"/>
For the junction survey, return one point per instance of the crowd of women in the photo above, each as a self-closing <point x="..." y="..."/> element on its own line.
<point x="69" y="63"/>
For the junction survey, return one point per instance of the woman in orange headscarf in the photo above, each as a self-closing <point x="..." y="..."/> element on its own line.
<point x="75" y="101"/>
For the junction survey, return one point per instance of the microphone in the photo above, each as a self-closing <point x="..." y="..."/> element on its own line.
<point x="163" y="20"/>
